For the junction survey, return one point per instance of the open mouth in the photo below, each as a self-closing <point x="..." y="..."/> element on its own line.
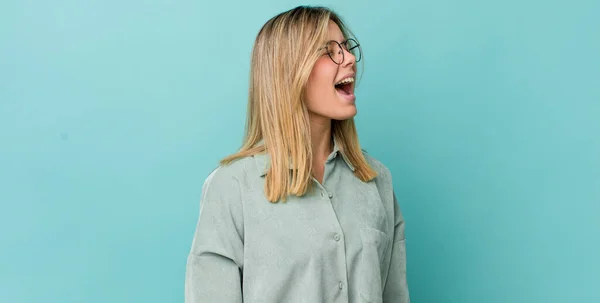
<point x="345" y="86"/>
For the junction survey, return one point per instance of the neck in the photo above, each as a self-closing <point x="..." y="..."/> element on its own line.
<point x="322" y="144"/>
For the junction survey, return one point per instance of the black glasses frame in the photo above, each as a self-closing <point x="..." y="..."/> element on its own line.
<point x="344" y="46"/>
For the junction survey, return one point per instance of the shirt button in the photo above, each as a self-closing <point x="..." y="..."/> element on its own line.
<point x="341" y="285"/>
<point x="336" y="237"/>
<point x="330" y="195"/>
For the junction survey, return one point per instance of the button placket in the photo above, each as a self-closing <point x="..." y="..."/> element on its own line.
<point x="326" y="190"/>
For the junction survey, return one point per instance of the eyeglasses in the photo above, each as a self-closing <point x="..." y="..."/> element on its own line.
<point x="335" y="50"/>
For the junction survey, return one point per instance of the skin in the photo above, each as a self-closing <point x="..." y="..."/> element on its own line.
<point x="324" y="103"/>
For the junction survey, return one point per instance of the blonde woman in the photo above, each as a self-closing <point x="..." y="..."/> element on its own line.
<point x="300" y="213"/>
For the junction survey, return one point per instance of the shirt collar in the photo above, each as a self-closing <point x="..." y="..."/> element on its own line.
<point x="263" y="160"/>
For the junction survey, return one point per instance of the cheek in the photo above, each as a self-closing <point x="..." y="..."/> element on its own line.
<point x="321" y="79"/>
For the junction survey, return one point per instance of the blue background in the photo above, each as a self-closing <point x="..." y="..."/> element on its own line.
<point x="112" y="113"/>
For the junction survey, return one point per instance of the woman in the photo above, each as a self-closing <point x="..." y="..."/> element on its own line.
<point x="300" y="213"/>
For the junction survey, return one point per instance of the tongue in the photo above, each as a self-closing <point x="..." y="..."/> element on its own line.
<point x="341" y="90"/>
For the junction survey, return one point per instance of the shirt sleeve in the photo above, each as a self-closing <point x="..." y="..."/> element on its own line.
<point x="215" y="262"/>
<point x="396" y="287"/>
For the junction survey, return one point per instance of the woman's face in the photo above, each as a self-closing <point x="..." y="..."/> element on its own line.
<point x="323" y="98"/>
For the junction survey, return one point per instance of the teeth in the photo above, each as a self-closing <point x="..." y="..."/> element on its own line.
<point x="346" y="81"/>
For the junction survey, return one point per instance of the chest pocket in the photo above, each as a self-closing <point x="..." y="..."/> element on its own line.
<point x="375" y="245"/>
<point x="371" y="211"/>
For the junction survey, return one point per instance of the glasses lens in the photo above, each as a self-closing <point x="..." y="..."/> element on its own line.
<point x="354" y="48"/>
<point x="335" y="52"/>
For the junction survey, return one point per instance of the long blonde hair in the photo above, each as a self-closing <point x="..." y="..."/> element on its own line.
<point x="284" y="53"/>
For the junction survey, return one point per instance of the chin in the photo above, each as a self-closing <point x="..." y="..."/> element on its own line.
<point x="347" y="113"/>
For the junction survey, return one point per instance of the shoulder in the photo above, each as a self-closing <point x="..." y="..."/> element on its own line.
<point x="383" y="172"/>
<point x="231" y="175"/>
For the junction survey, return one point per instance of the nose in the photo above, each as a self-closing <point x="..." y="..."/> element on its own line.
<point x="349" y="58"/>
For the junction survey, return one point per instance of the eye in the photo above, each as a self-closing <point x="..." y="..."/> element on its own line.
<point x="333" y="48"/>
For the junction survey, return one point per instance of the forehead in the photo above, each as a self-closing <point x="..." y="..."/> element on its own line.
<point x="334" y="32"/>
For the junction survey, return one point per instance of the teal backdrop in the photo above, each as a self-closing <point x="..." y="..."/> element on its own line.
<point x="112" y="114"/>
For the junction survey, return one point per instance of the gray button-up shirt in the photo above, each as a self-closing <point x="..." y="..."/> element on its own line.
<point x="342" y="242"/>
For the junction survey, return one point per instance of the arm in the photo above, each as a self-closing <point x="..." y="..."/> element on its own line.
<point x="396" y="287"/>
<point x="215" y="262"/>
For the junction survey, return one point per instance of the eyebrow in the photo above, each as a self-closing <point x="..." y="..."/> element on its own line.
<point x="338" y="41"/>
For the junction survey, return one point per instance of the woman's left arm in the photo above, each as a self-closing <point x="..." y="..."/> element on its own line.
<point x="396" y="287"/>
